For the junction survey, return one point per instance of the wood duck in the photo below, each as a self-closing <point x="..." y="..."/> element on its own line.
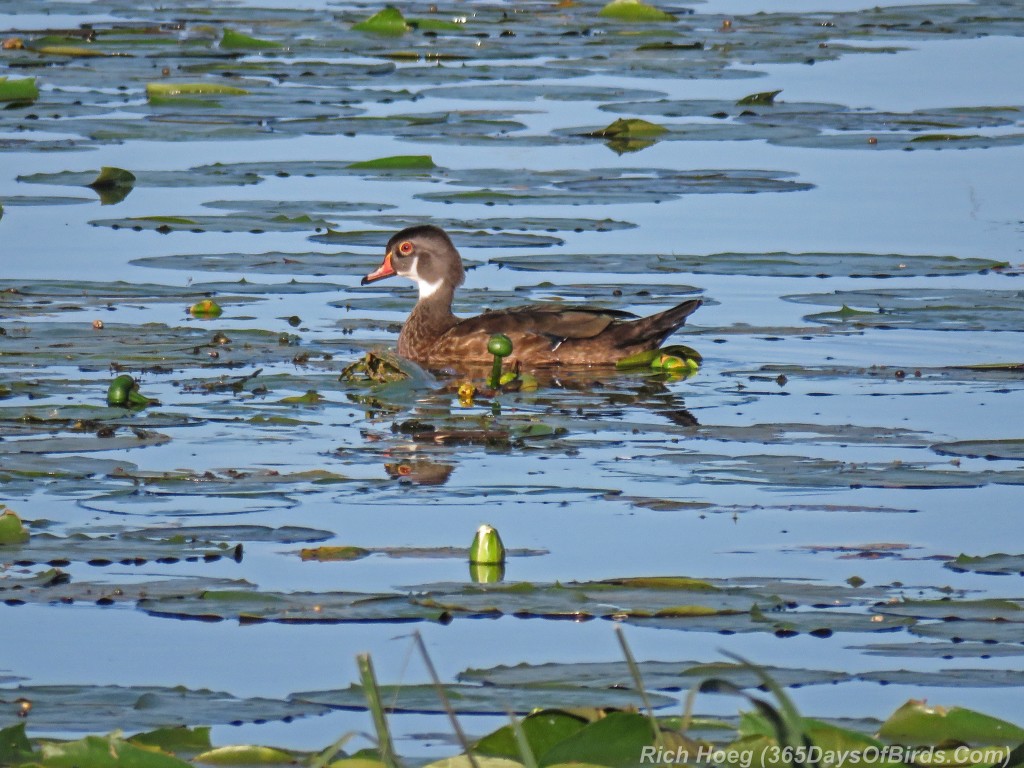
<point x="542" y="335"/>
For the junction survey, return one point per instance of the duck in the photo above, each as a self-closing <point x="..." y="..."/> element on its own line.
<point x="542" y="335"/>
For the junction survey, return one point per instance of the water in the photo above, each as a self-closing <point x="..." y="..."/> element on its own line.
<point x="588" y="498"/>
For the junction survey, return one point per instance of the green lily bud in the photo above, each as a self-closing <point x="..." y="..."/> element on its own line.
<point x="500" y="346"/>
<point x="11" y="529"/>
<point x="120" y="390"/>
<point x="207" y="309"/>
<point x="487" y="548"/>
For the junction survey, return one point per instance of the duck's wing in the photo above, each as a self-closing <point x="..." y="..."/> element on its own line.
<point x="557" y="323"/>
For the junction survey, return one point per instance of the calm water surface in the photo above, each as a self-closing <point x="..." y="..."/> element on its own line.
<point x="569" y="497"/>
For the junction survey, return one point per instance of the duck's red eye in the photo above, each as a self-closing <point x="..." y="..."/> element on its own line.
<point x="405" y="248"/>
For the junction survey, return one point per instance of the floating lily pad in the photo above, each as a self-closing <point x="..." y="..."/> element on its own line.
<point x="917" y="723"/>
<point x="479" y="700"/>
<point x="983" y="449"/>
<point x="249" y="607"/>
<point x="285" y="534"/>
<point x="928" y="650"/>
<point x="47" y="549"/>
<point x="998" y="565"/>
<point x="954" y="309"/>
<point x="160" y="91"/>
<point x="756" y="265"/>
<point x="615" y="186"/>
<point x="388" y="21"/>
<point x="232" y="39"/>
<point x="84" y="708"/>
<point x="633" y="10"/>
<point x="239" y="222"/>
<point x="656" y="675"/>
<point x="18" y="90"/>
<point x="957" y="610"/>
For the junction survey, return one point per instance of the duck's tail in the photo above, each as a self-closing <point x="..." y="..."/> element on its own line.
<point x="649" y="332"/>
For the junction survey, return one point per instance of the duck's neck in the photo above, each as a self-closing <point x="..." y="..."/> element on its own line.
<point x="430" y="318"/>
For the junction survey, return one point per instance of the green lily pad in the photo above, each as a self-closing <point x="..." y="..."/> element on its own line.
<point x="236" y="40"/>
<point x="18" y="90"/>
<point x="657" y="675"/>
<point x="543" y="730"/>
<point x="239" y="222"/>
<point x="388" y="21"/>
<point x="45" y="548"/>
<point x="172" y="90"/>
<point x="111" y="750"/>
<point x="633" y="10"/>
<point x="759" y="265"/>
<point x="955" y="309"/>
<point x="285" y="534"/>
<point x="290" y="607"/>
<point x="916" y="723"/>
<point x="765" y="97"/>
<point x="395" y="162"/>
<point x="479" y="700"/>
<point x="998" y="564"/>
<point x="928" y="650"/>
<point x="83" y="708"/>
<point x="983" y="449"/>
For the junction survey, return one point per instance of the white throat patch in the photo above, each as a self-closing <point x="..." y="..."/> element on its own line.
<point x="427" y="288"/>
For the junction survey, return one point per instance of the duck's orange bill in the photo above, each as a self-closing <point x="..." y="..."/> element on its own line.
<point x="384" y="270"/>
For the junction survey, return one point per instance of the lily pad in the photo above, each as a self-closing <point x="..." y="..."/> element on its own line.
<point x="983" y="449"/>
<point x="18" y="90"/>
<point x="955" y="309"/>
<point x="656" y="675"/>
<point x="84" y="708"/>
<point x="47" y="549"/>
<point x="388" y="21"/>
<point x="232" y="39"/>
<point x="758" y="265"/>
<point x="998" y="564"/>
<point x="633" y="10"/>
<point x="916" y="723"/>
<point x="480" y="700"/>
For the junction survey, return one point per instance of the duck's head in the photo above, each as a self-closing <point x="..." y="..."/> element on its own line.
<point x="425" y="255"/>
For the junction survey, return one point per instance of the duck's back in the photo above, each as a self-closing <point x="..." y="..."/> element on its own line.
<point x="545" y="334"/>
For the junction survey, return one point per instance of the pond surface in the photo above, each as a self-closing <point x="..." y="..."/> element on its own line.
<point x="841" y="477"/>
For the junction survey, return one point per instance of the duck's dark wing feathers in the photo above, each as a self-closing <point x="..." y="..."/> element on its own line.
<point x="555" y="322"/>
